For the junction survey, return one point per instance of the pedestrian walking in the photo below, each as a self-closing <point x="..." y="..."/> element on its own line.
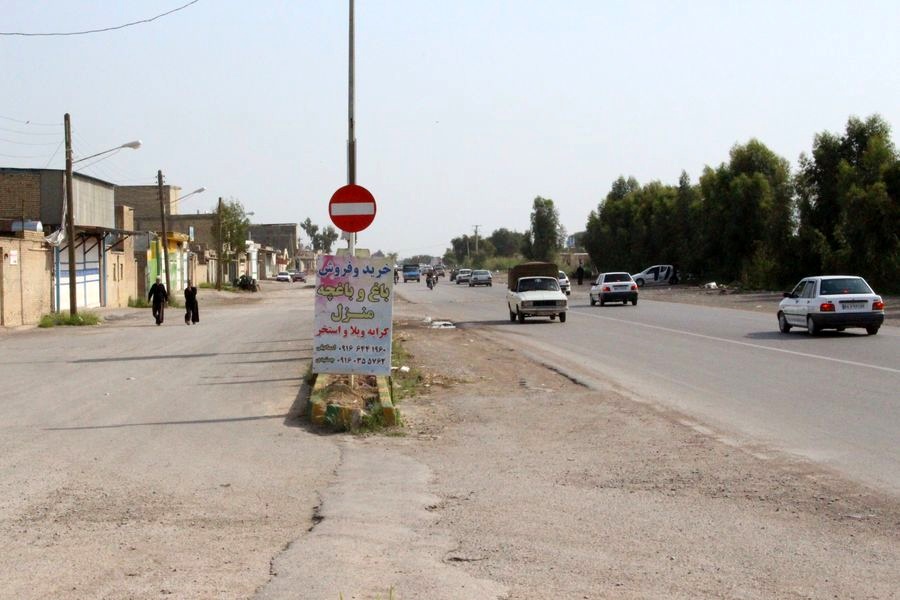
<point x="191" y="308"/>
<point x="158" y="296"/>
<point x="579" y="273"/>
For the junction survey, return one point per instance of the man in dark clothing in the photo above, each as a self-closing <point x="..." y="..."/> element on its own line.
<point x="191" y="308"/>
<point x="579" y="273"/>
<point x="158" y="296"/>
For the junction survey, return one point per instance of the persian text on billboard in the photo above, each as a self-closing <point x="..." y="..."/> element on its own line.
<point x="353" y="329"/>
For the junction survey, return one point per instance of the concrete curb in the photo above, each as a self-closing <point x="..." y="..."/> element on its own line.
<point x="344" y="418"/>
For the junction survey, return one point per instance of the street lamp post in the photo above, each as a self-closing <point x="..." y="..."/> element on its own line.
<point x="70" y="209"/>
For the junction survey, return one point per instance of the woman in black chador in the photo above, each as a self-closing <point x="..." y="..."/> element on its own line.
<point x="158" y="296"/>
<point x="191" y="308"/>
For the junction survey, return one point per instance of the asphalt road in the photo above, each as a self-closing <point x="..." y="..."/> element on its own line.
<point x="834" y="399"/>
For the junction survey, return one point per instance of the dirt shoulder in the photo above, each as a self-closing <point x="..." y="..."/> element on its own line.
<point x="556" y="490"/>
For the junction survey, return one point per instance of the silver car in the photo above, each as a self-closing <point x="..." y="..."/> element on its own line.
<point x="481" y="277"/>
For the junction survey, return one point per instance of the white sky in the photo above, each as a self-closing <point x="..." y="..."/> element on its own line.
<point x="466" y="110"/>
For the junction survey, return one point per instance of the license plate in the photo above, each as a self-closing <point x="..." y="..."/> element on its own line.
<point x="620" y="287"/>
<point x="853" y="305"/>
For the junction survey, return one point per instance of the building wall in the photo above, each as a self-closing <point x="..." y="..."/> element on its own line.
<point x="279" y="236"/>
<point x="121" y="266"/>
<point x="25" y="279"/>
<point x="144" y="199"/>
<point x="20" y="193"/>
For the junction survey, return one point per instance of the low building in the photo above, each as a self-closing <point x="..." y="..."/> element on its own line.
<point x="33" y="195"/>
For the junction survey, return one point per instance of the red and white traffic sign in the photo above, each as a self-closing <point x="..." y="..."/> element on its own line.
<point x="352" y="208"/>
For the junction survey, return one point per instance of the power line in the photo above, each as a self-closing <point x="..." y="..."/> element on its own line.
<point x="16" y="131"/>
<point x="27" y="34"/>
<point x="21" y="122"/>
<point x="28" y="143"/>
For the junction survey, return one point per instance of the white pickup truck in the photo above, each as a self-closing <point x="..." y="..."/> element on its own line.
<point x="534" y="292"/>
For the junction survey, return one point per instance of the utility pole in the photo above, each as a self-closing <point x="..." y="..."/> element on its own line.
<point x="221" y="250"/>
<point x="476" y="238"/>
<point x="70" y="222"/>
<point x="165" y="234"/>
<point x="351" y="127"/>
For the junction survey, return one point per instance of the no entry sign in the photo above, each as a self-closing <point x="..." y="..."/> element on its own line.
<point x="352" y="208"/>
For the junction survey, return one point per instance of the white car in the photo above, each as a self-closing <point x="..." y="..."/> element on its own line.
<point x="463" y="276"/>
<point x="283" y="276"/>
<point x="656" y="275"/>
<point x="614" y="287"/>
<point x="564" y="284"/>
<point x="831" y="302"/>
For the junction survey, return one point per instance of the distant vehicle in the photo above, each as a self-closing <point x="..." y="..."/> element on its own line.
<point x="439" y="270"/>
<point x="614" y="287"/>
<point x="298" y="276"/>
<point x="283" y="276"/>
<point x="453" y="273"/>
<point x="564" y="284"/>
<point x="481" y="277"/>
<point x="656" y="275"/>
<point x="534" y="292"/>
<point x="411" y="272"/>
<point x="831" y="302"/>
<point x="463" y="275"/>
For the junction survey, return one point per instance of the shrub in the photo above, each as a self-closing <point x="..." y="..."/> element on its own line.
<point x="82" y="318"/>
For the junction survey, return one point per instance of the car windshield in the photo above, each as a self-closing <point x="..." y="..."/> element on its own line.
<point x="481" y="273"/>
<point x="849" y="285"/>
<point x="538" y="284"/>
<point x="561" y="275"/>
<point x="613" y="277"/>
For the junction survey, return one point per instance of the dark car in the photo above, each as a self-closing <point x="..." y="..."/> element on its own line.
<point x="298" y="276"/>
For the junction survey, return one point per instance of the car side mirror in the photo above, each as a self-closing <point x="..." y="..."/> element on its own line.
<point x="789" y="295"/>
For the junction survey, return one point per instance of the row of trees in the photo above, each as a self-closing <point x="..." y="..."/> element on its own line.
<point x="541" y="242"/>
<point x="320" y="241"/>
<point x="752" y="220"/>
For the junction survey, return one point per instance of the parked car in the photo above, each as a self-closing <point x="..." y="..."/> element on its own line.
<point x="298" y="276"/>
<point x="463" y="275"/>
<point x="481" y="277"/>
<point x="615" y="286"/>
<point x="564" y="284"/>
<point x="283" y="276"/>
<point x="831" y="302"/>
<point x="656" y="275"/>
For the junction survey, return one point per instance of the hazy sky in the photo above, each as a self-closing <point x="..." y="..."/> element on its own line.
<point x="466" y="109"/>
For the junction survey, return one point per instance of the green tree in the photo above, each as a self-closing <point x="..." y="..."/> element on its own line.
<point x="327" y="238"/>
<point x="234" y="225"/>
<point x="848" y="203"/>
<point x="506" y="242"/>
<point x="311" y="230"/>
<point x="547" y="235"/>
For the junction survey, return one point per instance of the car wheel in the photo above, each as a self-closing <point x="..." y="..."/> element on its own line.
<point x="872" y="330"/>
<point x="783" y="325"/>
<point x="490" y="285"/>
<point x="512" y="315"/>
<point x="520" y="315"/>
<point x="639" y="282"/>
<point x="562" y="317"/>
<point x="593" y="302"/>
<point x="811" y="327"/>
<point x="634" y="302"/>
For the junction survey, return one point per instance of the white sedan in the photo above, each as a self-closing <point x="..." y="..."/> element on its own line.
<point x="831" y="302"/>
<point x="283" y="276"/>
